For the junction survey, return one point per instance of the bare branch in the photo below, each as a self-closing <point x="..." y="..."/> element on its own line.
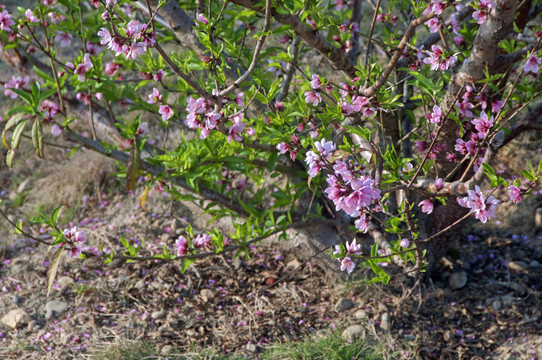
<point x="338" y="59"/>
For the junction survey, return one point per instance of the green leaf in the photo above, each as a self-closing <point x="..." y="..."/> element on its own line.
<point x="272" y="161"/>
<point x="9" y="158"/>
<point x="55" y="214"/>
<point x="43" y="75"/>
<point x="53" y="267"/>
<point x="35" y="92"/>
<point x="22" y="109"/>
<point x="24" y="95"/>
<point x="37" y="137"/>
<point x="186" y="263"/>
<point x="17" y="133"/>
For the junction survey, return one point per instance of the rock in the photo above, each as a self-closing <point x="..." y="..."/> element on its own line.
<point x="206" y="295"/>
<point x="158" y="314"/>
<point x="457" y="280"/>
<point x="534" y="264"/>
<point x="167" y="349"/>
<point x="353" y="332"/>
<point x="293" y="264"/>
<point x="140" y="284"/>
<point x="15" y="318"/>
<point x="361" y="314"/>
<point x="343" y="305"/>
<point x="538" y="218"/>
<point x="175" y="225"/>
<point x="409" y="337"/>
<point x="251" y="348"/>
<point x="517" y="265"/>
<point x="55" y="307"/>
<point x="165" y="237"/>
<point x="496" y="305"/>
<point x="236" y="263"/>
<point x="385" y="321"/>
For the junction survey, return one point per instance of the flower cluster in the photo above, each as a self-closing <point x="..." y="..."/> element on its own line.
<point x="132" y="45"/>
<point x="74" y="237"/>
<point x="483" y="208"/>
<point x="482" y="11"/>
<point x="346" y="262"/>
<point x="352" y="191"/>
<point x="16" y="82"/>
<point x="316" y="161"/>
<point x="165" y="110"/>
<point x="5" y="20"/>
<point x="438" y="60"/>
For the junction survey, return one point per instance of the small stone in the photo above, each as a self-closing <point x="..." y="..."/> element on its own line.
<point x="534" y="264"/>
<point x="361" y="314"/>
<point x="236" y="263"/>
<point x="251" y="348"/>
<point x="409" y="337"/>
<point x="165" y="237"/>
<point x="517" y="265"/>
<point x="158" y="314"/>
<point x="293" y="264"/>
<point x="206" y="295"/>
<point x="140" y="284"/>
<point x="538" y="218"/>
<point x="55" y="307"/>
<point x="14" y="318"/>
<point x="353" y="332"/>
<point x="496" y="305"/>
<point x="457" y="280"/>
<point x="343" y="305"/>
<point x="385" y="321"/>
<point x="175" y="225"/>
<point x="167" y="349"/>
<point x="448" y="335"/>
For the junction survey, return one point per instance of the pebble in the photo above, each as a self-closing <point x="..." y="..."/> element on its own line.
<point x="236" y="263"/>
<point x="165" y="237"/>
<point x="293" y="264"/>
<point x="175" y="225"/>
<point x="534" y="264"/>
<point x="517" y="265"/>
<point x="361" y="314"/>
<point x="158" y="314"/>
<point x="206" y="295"/>
<point x="409" y="337"/>
<point x="140" y="284"/>
<point x="538" y="218"/>
<point x="457" y="280"/>
<point x="343" y="305"/>
<point x="167" y="349"/>
<point x="55" y="307"/>
<point x="385" y="321"/>
<point x="496" y="305"/>
<point x="15" y="317"/>
<point x="353" y="332"/>
<point x="251" y="347"/>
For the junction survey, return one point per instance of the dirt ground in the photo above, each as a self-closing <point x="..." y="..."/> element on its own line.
<point x="241" y="305"/>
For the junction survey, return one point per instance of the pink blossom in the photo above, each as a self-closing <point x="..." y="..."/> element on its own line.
<point x="515" y="194"/>
<point x="73" y="235"/>
<point x="82" y="68"/>
<point x="347" y="264"/>
<point x="55" y="18"/>
<point x="65" y="39"/>
<point x="16" y="82"/>
<point x="315" y="83"/>
<point x="202" y="18"/>
<point x="434" y="57"/>
<point x="404" y="243"/>
<point x="436" y="116"/>
<point x="30" y="17"/>
<point x="483" y="124"/>
<point x="56" y="130"/>
<point x="75" y="251"/>
<point x="496" y="106"/>
<point x="181" y="245"/>
<point x="99" y="96"/>
<point x="235" y="130"/>
<point x="439" y="184"/>
<point x="353" y="248"/>
<point x="362" y="224"/>
<point x="111" y="69"/>
<point x="532" y="64"/>
<point x="5" y="20"/>
<point x="240" y="99"/>
<point x="155" y="97"/>
<point x="312" y="97"/>
<point x="434" y="24"/>
<point x="484" y="8"/>
<point x="427" y="206"/>
<point x="159" y="75"/>
<point x="482" y="208"/>
<point x="283" y="147"/>
<point x="143" y="129"/>
<point x="93" y="49"/>
<point x="202" y="240"/>
<point x="166" y="112"/>
<point x="284" y="39"/>
<point x="49" y="108"/>
<point x="459" y="41"/>
<point x="464" y="109"/>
